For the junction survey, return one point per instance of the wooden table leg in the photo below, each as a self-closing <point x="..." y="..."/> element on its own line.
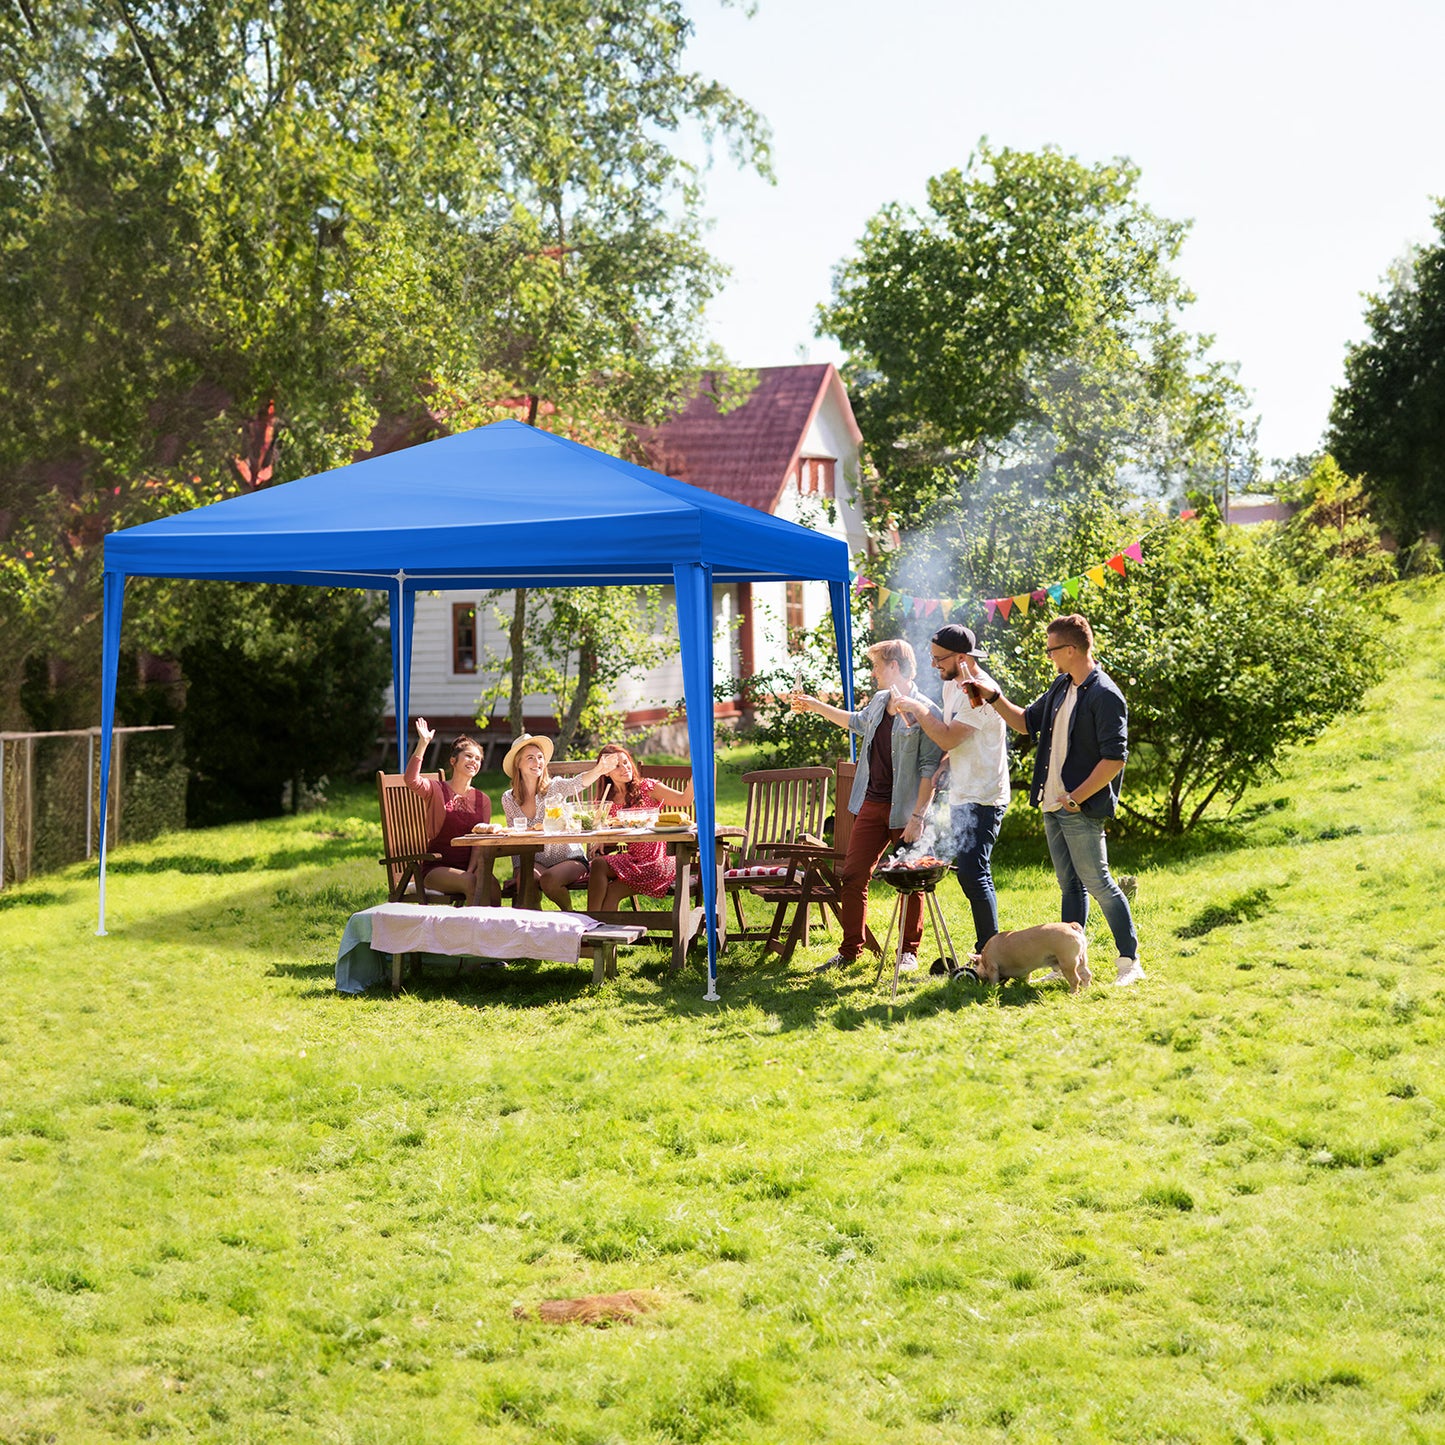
<point x="483" y="873"/>
<point x="529" y="891"/>
<point x="683" y="915"/>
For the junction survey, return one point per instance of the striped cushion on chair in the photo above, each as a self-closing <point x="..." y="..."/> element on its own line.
<point x="757" y="870"/>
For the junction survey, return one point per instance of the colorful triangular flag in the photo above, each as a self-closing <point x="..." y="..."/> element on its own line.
<point x="1072" y="586"/>
<point x="884" y="593"/>
<point x="990" y="606"/>
<point x="1135" y="550"/>
<point x="1095" y="574"/>
<point x="1056" y="592"/>
<point x="1005" y="606"/>
<point x="1117" y="563"/>
<point x="1022" y="603"/>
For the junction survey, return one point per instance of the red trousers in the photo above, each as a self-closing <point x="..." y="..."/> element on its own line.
<point x="870" y="838"/>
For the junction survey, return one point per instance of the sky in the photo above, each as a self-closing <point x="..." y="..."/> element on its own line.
<point x="1305" y="142"/>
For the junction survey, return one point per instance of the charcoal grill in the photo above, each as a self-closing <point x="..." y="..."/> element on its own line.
<point x="905" y="878"/>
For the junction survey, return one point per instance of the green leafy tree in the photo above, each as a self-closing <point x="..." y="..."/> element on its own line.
<point x="1333" y="528"/>
<point x="580" y="643"/>
<point x="280" y="695"/>
<point x="1030" y="315"/>
<point x="1228" y="656"/>
<point x="245" y="242"/>
<point x="1387" y="422"/>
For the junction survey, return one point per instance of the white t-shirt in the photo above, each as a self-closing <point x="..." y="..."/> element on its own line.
<point x="1054" y="790"/>
<point x="978" y="766"/>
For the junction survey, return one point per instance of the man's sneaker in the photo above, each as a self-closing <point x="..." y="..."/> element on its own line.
<point x="1129" y="971"/>
<point x="1050" y="976"/>
<point x="907" y="963"/>
<point x="838" y="960"/>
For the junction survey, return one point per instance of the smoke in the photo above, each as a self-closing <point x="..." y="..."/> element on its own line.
<point x="940" y="838"/>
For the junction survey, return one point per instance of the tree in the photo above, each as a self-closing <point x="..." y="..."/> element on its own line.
<point x="281" y="693"/>
<point x="1333" y="528"/>
<point x="1031" y="315"/>
<point x="1228" y="656"/>
<point x="244" y="242"/>
<point x="581" y="642"/>
<point x="1387" y="421"/>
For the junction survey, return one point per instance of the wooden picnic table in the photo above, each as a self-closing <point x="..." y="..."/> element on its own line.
<point x="682" y="922"/>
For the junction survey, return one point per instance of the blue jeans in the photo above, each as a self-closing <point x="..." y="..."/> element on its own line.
<point x="1076" y="844"/>
<point x="973" y="832"/>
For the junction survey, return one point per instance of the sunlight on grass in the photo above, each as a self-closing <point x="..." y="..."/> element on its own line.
<point x="239" y="1206"/>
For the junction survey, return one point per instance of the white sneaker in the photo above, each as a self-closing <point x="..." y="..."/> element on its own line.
<point x="1129" y="971"/>
<point x="1050" y="976"/>
<point x="908" y="963"/>
<point x="837" y="961"/>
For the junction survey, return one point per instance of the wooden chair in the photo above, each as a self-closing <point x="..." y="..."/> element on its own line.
<point x="403" y="842"/>
<point x="821" y="866"/>
<point x="784" y="806"/>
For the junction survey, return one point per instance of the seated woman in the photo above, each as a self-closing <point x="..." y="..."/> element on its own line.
<point x="452" y="808"/>
<point x="559" y="866"/>
<point x="644" y="867"/>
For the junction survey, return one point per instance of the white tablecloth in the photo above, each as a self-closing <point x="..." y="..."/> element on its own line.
<point x="439" y="929"/>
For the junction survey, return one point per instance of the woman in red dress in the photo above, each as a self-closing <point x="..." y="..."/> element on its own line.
<point x="643" y="867"/>
<point x="452" y="808"/>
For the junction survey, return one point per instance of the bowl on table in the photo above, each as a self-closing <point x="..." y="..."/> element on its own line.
<point x="636" y="817"/>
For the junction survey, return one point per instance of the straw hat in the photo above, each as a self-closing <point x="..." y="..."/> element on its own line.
<point x="525" y="740"/>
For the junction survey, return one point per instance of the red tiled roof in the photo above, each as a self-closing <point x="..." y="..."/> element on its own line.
<point x="746" y="453"/>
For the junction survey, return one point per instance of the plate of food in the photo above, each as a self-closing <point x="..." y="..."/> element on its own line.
<point x="672" y="818"/>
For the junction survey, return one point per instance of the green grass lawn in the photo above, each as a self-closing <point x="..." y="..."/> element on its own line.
<point x="236" y="1206"/>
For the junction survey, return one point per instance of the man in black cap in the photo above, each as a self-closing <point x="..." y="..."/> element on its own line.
<point x="976" y="741"/>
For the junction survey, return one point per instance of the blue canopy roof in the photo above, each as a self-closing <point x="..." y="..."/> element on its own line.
<point x="505" y="505"/>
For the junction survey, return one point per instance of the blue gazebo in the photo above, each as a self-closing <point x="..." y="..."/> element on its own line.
<point x="502" y="506"/>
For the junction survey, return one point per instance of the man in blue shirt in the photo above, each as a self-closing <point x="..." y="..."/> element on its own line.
<point x="1081" y="728"/>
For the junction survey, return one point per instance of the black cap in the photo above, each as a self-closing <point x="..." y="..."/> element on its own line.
<point x="955" y="637"/>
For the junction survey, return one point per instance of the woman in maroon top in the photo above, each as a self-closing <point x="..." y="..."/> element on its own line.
<point x="452" y="808"/>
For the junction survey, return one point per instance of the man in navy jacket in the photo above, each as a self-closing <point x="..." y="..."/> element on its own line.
<point x="1081" y="728"/>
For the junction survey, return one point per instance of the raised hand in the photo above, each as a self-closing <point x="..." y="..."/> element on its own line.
<point x="424" y="733"/>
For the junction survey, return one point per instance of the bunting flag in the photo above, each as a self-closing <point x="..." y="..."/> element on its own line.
<point x="1004" y="607"/>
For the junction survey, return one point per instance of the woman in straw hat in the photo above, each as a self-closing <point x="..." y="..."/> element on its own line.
<point x="559" y="866"/>
<point x="452" y="809"/>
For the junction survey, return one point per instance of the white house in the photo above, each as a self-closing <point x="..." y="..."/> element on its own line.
<point x="790" y="449"/>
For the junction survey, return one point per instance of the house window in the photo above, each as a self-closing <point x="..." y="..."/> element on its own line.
<point x="464" y="637"/>
<point x="815" y="476"/>
<point x="793" y="614"/>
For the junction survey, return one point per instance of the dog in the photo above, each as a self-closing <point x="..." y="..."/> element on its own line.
<point x="1018" y="953"/>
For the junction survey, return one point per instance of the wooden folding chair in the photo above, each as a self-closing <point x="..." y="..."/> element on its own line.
<point x="785" y="806"/>
<point x="403" y="842"/>
<point x="820" y="868"/>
